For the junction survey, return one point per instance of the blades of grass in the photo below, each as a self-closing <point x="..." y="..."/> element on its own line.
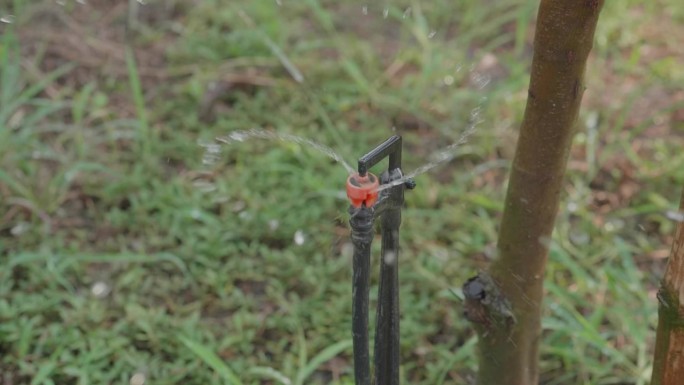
<point x="562" y="258"/>
<point x="525" y="13"/>
<point x="42" y="109"/>
<point x="463" y="352"/>
<point x="495" y="43"/>
<point x="267" y="372"/>
<point x="325" y="117"/>
<point x="62" y="180"/>
<point x="6" y="110"/>
<point x="211" y="360"/>
<point x="15" y="185"/>
<point x="295" y="73"/>
<point x="628" y="106"/>
<point x="275" y="49"/>
<point x="303" y="358"/>
<point x="585" y="331"/>
<point x="44" y="373"/>
<point x="488" y="28"/>
<point x="633" y="274"/>
<point x="420" y="28"/>
<point x="80" y="102"/>
<point x="25" y="337"/>
<point x="481" y="200"/>
<point x="139" y="101"/>
<point x="30" y="257"/>
<point x="325" y="355"/>
<point x="356" y="75"/>
<point x="322" y="15"/>
<point x="10" y="69"/>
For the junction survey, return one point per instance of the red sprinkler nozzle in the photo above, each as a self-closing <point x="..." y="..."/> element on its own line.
<point x="362" y="189"/>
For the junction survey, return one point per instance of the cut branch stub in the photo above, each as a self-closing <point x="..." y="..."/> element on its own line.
<point x="485" y="305"/>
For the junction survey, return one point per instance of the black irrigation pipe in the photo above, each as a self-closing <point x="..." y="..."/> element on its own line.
<point x="366" y="205"/>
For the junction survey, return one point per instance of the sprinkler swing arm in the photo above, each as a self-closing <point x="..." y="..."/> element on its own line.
<point x="367" y="204"/>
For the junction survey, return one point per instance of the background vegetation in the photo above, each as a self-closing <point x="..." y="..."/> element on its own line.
<point x="134" y="249"/>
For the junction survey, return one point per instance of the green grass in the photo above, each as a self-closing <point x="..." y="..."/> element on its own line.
<point x="122" y="253"/>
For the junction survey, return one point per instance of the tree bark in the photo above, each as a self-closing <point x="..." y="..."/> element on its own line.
<point x="505" y="303"/>
<point x="668" y="365"/>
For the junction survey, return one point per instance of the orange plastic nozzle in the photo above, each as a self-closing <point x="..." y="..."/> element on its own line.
<point x="362" y="189"/>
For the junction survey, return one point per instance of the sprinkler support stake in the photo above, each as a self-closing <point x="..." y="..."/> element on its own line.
<point x="366" y="205"/>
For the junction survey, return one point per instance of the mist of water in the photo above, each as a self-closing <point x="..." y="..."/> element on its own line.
<point x="241" y="136"/>
<point x="677" y="216"/>
<point x="445" y="155"/>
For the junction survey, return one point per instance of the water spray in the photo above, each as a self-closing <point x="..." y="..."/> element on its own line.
<point x="369" y="200"/>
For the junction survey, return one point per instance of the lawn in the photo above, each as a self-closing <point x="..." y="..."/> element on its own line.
<point x="137" y="249"/>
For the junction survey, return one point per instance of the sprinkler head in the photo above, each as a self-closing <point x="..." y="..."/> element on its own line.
<point x="362" y="189"/>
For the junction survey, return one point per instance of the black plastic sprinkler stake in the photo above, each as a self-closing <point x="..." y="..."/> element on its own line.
<point x="366" y="204"/>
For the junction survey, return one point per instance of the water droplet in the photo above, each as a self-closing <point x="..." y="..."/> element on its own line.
<point x="545" y="241"/>
<point x="592" y="120"/>
<point x="204" y="186"/>
<point x="677" y="216"/>
<point x="390" y="258"/>
<point x="448" y="80"/>
<point x="491" y="252"/>
<point x="347" y="250"/>
<point x="7" y="19"/>
<point x="138" y="379"/>
<point x="299" y="237"/>
<point x="20" y="229"/>
<point x="432" y="34"/>
<point x="238" y="136"/>
<point x="579" y="237"/>
<point x="238" y="206"/>
<point x="208" y="160"/>
<point x="475" y="113"/>
<point x="407" y="13"/>
<point x="481" y="81"/>
<point x="212" y="153"/>
<point x="441" y="254"/>
<point x="440" y="156"/>
<point x="100" y="289"/>
<point x="364" y="10"/>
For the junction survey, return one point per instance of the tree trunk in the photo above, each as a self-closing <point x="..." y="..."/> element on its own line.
<point x="505" y="304"/>
<point x="668" y="365"/>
